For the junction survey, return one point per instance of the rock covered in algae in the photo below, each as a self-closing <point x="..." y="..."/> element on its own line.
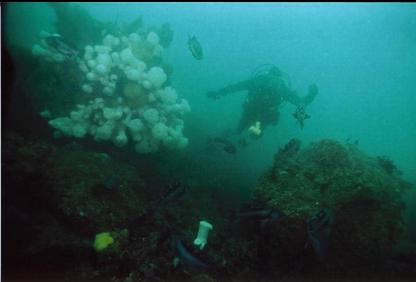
<point x="366" y="200"/>
<point x="94" y="188"/>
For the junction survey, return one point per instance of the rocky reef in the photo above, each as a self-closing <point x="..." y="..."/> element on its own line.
<point x="76" y="207"/>
<point x="61" y="197"/>
<point x="366" y="199"/>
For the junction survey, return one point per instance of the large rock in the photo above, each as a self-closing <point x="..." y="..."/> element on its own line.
<point x="56" y="199"/>
<point x="364" y="193"/>
<point x="94" y="188"/>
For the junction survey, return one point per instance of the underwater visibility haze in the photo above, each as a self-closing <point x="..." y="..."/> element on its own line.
<point x="208" y="141"/>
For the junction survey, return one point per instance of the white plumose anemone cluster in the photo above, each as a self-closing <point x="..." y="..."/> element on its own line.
<point x="101" y="62"/>
<point x="147" y="127"/>
<point x="150" y="127"/>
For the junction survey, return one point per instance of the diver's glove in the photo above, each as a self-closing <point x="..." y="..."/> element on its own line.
<point x="213" y="95"/>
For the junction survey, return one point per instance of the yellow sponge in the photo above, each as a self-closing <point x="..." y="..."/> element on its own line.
<point x="102" y="241"/>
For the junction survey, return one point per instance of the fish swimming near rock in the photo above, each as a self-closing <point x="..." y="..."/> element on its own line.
<point x="195" y="48"/>
<point x="227" y="145"/>
<point x="318" y="229"/>
<point x="300" y="115"/>
<point x="286" y="153"/>
<point x="173" y="193"/>
<point x="264" y="215"/>
<point x="187" y="256"/>
<point x="57" y="43"/>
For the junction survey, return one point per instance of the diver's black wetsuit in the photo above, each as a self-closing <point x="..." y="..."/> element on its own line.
<point x="265" y="93"/>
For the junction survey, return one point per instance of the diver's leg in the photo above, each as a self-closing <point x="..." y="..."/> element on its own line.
<point x="251" y="114"/>
<point x="244" y="123"/>
<point x="270" y="117"/>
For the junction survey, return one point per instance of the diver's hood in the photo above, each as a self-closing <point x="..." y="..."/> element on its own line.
<point x="265" y="69"/>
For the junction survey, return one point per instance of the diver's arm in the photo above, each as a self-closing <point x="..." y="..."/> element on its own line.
<point x="293" y="98"/>
<point x="312" y="92"/>
<point x="241" y="86"/>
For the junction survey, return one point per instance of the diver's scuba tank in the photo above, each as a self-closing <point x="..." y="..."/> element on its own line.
<point x="264" y="69"/>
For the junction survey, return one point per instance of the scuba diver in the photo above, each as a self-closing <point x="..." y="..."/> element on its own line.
<point x="267" y="90"/>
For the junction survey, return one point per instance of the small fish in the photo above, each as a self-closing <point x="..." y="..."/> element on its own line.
<point x="230" y="149"/>
<point x="319" y="227"/>
<point x="187" y="256"/>
<point x="195" y="47"/>
<point x="228" y="146"/>
<point x="300" y="115"/>
<point x="174" y="192"/>
<point x="56" y="42"/>
<point x="262" y="214"/>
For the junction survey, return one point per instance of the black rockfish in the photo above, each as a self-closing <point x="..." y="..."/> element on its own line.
<point x="264" y="215"/>
<point x="187" y="256"/>
<point x="195" y="47"/>
<point x="57" y="43"/>
<point x="319" y="227"/>
<point x="173" y="193"/>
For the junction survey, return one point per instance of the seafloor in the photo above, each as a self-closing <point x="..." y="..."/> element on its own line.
<point x="57" y="197"/>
